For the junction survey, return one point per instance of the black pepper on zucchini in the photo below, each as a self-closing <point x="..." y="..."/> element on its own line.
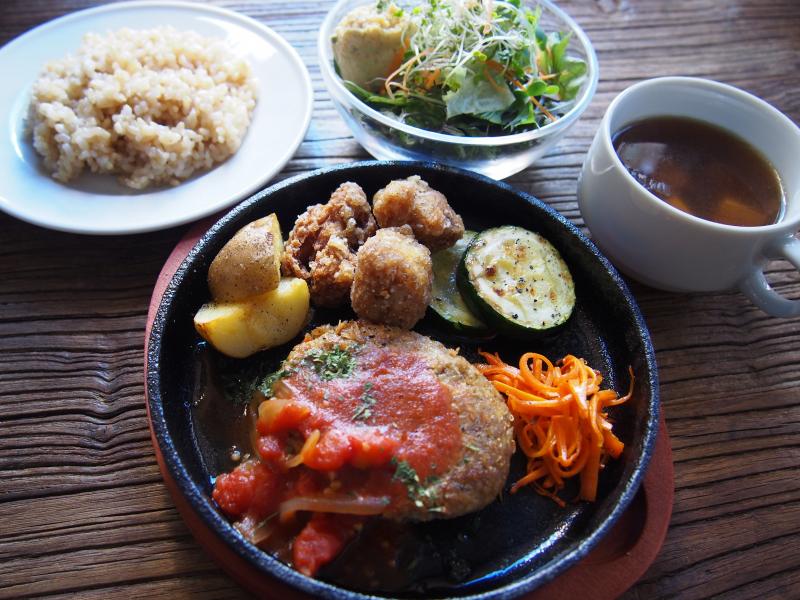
<point x="517" y="281"/>
<point x="446" y="300"/>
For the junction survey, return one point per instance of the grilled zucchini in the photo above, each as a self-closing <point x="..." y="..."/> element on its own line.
<point x="517" y="281"/>
<point x="446" y="300"/>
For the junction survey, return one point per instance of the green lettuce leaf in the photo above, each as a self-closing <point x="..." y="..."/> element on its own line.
<point x="474" y="94"/>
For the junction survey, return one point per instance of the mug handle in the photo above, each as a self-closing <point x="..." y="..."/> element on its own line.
<point x="756" y="287"/>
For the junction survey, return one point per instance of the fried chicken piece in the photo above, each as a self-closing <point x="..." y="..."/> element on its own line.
<point x="322" y="244"/>
<point x="413" y="202"/>
<point x="332" y="272"/>
<point x="393" y="279"/>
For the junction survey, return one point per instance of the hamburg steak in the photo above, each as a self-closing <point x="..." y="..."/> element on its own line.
<point x="427" y="408"/>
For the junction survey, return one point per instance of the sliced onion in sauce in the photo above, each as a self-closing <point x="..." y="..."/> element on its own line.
<point x="308" y="446"/>
<point x="257" y="532"/>
<point x="344" y="505"/>
<point x="269" y="409"/>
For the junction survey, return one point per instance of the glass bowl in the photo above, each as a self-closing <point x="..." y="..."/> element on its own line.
<point x="495" y="156"/>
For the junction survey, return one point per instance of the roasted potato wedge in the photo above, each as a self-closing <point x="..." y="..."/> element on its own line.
<point x="249" y="264"/>
<point x="240" y="329"/>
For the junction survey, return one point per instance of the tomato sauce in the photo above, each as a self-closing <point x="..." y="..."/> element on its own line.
<point x="374" y="438"/>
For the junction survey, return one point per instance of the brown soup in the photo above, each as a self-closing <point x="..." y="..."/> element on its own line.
<point x="702" y="170"/>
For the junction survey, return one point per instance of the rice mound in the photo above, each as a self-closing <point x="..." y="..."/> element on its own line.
<point x="152" y="106"/>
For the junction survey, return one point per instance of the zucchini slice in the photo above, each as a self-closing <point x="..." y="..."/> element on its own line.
<point x="517" y="281"/>
<point x="446" y="300"/>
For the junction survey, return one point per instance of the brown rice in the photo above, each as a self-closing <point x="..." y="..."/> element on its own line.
<point x="152" y="106"/>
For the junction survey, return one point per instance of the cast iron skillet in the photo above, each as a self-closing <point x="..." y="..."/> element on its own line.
<point x="520" y="541"/>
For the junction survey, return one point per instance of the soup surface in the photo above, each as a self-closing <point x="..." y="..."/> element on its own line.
<point x="702" y="170"/>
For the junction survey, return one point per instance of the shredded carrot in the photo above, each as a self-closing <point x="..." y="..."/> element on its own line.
<point x="430" y="78"/>
<point x="491" y="81"/>
<point x="560" y="420"/>
<point x="542" y="108"/>
<point x="538" y="104"/>
<point x="387" y="85"/>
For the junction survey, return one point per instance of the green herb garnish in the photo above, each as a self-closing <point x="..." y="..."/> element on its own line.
<point x="478" y="69"/>
<point x="239" y="389"/>
<point x="420" y="494"/>
<point x="364" y="410"/>
<point x="336" y="363"/>
<point x="239" y="379"/>
<point x="266" y="385"/>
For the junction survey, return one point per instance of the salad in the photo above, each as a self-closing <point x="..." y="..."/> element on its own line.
<point x="459" y="67"/>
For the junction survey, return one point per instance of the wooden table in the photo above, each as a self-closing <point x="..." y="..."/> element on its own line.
<point x="82" y="505"/>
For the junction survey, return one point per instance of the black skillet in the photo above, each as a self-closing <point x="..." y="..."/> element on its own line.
<point x="512" y="546"/>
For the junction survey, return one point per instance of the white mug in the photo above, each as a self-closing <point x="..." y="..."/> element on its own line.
<point x="667" y="248"/>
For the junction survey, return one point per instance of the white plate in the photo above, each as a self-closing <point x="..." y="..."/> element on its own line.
<point x="97" y="204"/>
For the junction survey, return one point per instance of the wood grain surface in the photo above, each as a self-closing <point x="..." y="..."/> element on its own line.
<point x="83" y="509"/>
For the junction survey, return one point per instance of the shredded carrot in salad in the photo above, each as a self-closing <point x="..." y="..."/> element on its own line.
<point x="560" y="420"/>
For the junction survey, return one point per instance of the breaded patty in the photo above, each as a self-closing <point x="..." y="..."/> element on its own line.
<point x="322" y="244"/>
<point x="481" y="442"/>
<point x="393" y="279"/>
<point x="413" y="202"/>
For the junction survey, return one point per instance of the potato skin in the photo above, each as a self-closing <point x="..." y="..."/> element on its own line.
<point x="393" y="279"/>
<point x="413" y="202"/>
<point x="249" y="264"/>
